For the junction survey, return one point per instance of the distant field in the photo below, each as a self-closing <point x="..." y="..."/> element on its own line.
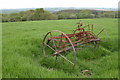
<point x="23" y="58"/>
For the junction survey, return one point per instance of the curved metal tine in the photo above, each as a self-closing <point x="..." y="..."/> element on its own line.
<point x="65" y="46"/>
<point x="53" y="41"/>
<point x="49" y="47"/>
<point x="60" y="42"/>
<point x="60" y="39"/>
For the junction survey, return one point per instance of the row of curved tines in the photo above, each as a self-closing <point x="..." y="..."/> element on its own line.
<point x="81" y="36"/>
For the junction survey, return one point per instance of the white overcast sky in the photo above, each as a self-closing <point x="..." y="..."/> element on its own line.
<point x="13" y="4"/>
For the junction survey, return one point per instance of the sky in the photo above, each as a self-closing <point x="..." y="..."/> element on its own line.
<point x="14" y="4"/>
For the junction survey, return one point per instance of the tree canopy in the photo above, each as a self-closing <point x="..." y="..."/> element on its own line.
<point x="41" y="14"/>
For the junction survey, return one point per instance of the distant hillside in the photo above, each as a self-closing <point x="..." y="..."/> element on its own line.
<point x="68" y="11"/>
<point x="8" y="11"/>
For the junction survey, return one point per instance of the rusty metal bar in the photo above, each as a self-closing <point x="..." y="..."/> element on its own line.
<point x="67" y="59"/>
<point x="74" y="46"/>
<point x="49" y="46"/>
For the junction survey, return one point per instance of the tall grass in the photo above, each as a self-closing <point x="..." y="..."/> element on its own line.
<point x="23" y="57"/>
<point x="0" y="50"/>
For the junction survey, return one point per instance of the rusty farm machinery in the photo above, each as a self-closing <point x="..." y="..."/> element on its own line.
<point x="58" y="45"/>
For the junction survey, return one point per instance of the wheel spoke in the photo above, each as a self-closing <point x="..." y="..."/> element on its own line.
<point x="49" y="46"/>
<point x="66" y="59"/>
<point x="53" y="42"/>
<point x="60" y="40"/>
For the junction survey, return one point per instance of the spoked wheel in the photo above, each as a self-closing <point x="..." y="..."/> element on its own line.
<point x="57" y="46"/>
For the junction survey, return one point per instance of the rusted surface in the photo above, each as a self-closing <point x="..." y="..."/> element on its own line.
<point x="65" y="42"/>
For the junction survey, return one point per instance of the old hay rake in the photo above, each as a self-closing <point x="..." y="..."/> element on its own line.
<point x="58" y="45"/>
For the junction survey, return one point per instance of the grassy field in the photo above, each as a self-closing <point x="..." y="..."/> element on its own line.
<point x="23" y="58"/>
<point x="0" y="50"/>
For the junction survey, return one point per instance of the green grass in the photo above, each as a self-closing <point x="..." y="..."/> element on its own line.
<point x="0" y="50"/>
<point x="23" y="58"/>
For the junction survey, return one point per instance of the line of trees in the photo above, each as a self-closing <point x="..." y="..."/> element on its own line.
<point x="41" y="14"/>
<point x="30" y="15"/>
<point x="71" y="14"/>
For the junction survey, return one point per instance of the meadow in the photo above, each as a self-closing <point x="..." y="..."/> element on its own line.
<point x="22" y="55"/>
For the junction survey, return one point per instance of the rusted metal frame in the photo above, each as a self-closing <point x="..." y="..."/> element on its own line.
<point x="92" y="34"/>
<point x="81" y="33"/>
<point x="59" y="40"/>
<point x="75" y="42"/>
<point x="72" y="46"/>
<point x="89" y="35"/>
<point x="82" y="39"/>
<point x="80" y="36"/>
<point x="89" y="27"/>
<point x="91" y="31"/>
<point x="85" y="36"/>
<point x="82" y="43"/>
<point x="69" y="43"/>
<point x="69" y="35"/>
<point x="78" y="30"/>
